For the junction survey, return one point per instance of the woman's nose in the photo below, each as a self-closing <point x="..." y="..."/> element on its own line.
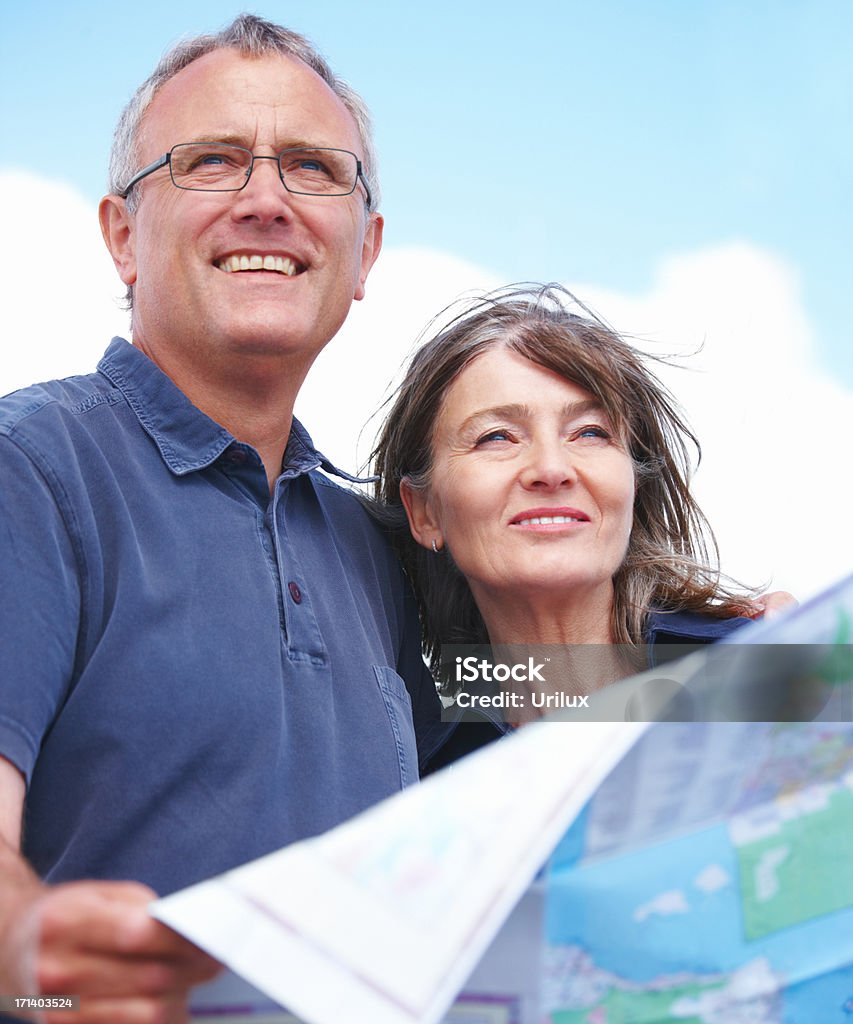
<point x="549" y="465"/>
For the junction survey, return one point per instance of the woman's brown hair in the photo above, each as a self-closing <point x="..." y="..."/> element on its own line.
<point x="669" y="564"/>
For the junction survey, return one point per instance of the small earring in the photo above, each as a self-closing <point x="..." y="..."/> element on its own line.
<point x="434" y="547"/>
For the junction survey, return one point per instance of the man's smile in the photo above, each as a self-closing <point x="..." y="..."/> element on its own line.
<point x="239" y="262"/>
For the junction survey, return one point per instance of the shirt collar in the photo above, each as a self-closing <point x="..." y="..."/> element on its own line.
<point x="188" y="439"/>
<point x="300" y="456"/>
<point x="688" y="627"/>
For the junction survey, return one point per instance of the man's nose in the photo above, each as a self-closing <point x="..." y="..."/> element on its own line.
<point x="264" y="195"/>
<point x="549" y="465"/>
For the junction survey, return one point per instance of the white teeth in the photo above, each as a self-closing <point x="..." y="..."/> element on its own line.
<point x="280" y="264"/>
<point x="547" y="520"/>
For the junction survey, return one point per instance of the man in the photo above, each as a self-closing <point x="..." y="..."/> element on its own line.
<point x="207" y="648"/>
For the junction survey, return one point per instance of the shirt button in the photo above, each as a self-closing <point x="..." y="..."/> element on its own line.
<point x="295" y="592"/>
<point x="236" y="456"/>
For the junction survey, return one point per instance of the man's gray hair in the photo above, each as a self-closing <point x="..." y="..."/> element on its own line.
<point x="252" y="37"/>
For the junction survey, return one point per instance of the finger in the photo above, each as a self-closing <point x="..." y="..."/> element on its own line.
<point x="778" y="602"/>
<point x="150" y="940"/>
<point x="82" y="915"/>
<point x="112" y="919"/>
<point x="69" y="970"/>
<point x="141" y="935"/>
<point x="125" y="892"/>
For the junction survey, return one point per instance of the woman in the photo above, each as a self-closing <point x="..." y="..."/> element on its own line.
<point x="535" y="472"/>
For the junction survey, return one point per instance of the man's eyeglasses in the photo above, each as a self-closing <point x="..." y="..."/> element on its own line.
<point x="221" y="167"/>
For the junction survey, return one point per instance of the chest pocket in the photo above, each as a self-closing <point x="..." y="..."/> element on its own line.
<point x="399" y="708"/>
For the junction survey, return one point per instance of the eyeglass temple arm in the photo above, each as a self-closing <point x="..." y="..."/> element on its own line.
<point x="161" y="162"/>
<point x="360" y="174"/>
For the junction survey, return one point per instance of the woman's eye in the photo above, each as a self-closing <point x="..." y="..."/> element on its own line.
<point x="593" y="430"/>
<point x="493" y="435"/>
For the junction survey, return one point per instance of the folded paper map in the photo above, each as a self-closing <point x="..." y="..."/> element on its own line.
<point x="698" y="871"/>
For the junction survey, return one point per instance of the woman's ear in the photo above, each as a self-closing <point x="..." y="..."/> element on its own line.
<point x="423" y="521"/>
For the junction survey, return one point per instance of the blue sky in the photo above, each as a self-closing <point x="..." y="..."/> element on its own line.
<point x="556" y="140"/>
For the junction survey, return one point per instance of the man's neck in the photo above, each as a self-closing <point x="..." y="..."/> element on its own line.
<point x="252" y="399"/>
<point x="267" y="431"/>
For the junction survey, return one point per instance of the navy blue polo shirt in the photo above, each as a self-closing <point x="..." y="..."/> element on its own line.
<point x="192" y="673"/>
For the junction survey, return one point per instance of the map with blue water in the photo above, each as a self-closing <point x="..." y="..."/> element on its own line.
<point x="746" y="921"/>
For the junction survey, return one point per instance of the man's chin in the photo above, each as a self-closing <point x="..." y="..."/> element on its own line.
<point x="266" y="341"/>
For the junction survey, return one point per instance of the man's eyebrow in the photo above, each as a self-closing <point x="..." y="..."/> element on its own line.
<point x="306" y="144"/>
<point x="233" y="138"/>
<point x="229" y="137"/>
<point x="520" y="411"/>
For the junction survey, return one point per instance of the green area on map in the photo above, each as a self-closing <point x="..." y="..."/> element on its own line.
<point x="800" y="872"/>
<point x="625" y="1007"/>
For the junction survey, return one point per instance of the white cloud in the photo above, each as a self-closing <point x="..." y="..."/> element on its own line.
<point x="352" y="377"/>
<point x="663" y="905"/>
<point x="712" y="878"/>
<point x="774" y="425"/>
<point x="750" y="995"/>
<point x="60" y="293"/>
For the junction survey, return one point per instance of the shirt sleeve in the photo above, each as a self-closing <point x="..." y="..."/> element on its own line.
<point x="39" y="604"/>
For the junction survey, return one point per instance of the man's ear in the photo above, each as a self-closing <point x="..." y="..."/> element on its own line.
<point x="423" y="521"/>
<point x="369" y="250"/>
<point x="117" y="227"/>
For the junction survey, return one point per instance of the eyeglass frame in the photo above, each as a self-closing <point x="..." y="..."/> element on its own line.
<point x="166" y="160"/>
